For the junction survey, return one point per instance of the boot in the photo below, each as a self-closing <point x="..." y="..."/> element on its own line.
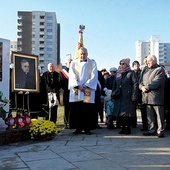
<point x="128" y="130"/>
<point x="110" y="122"/>
<point x="122" y="131"/>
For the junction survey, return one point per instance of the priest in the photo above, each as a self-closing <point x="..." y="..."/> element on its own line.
<point x="83" y="77"/>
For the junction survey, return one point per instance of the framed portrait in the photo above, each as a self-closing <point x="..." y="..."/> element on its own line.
<point x="25" y="74"/>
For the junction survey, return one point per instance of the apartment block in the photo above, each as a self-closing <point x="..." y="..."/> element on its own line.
<point x="39" y="34"/>
<point x="154" y="47"/>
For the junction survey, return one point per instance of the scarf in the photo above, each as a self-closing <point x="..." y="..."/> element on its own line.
<point x="121" y="70"/>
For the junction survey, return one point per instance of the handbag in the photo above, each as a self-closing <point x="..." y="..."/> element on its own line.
<point x="117" y="93"/>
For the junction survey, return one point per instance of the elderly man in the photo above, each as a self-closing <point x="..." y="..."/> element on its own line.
<point x="152" y="86"/>
<point x="50" y="84"/>
<point x="83" y="77"/>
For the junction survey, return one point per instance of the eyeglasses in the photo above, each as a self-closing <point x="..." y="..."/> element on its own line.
<point x="122" y="64"/>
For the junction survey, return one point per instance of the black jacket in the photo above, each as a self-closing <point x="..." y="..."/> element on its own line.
<point x="50" y="83"/>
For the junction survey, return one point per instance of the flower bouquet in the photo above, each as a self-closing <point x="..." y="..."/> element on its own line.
<point x="42" y="130"/>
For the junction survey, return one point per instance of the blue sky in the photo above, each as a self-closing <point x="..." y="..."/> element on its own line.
<point x="112" y="26"/>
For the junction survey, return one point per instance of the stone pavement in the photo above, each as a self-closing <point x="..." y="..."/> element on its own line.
<point x="103" y="150"/>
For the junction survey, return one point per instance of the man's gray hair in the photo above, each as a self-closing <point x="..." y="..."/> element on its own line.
<point x="83" y="49"/>
<point x="50" y="64"/>
<point x="152" y="57"/>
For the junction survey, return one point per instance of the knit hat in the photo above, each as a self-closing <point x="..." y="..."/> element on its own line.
<point x="114" y="69"/>
<point x="125" y="60"/>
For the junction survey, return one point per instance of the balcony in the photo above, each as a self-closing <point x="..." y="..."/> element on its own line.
<point x="19" y="27"/>
<point x="19" y="33"/>
<point x="42" y="46"/>
<point x="41" y="58"/>
<point x="19" y="21"/>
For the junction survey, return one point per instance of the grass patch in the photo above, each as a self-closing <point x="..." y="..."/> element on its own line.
<point x="60" y="117"/>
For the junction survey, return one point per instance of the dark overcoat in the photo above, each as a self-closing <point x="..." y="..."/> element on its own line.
<point x="125" y="104"/>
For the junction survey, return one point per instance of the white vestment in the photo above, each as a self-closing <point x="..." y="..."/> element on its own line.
<point x="80" y="73"/>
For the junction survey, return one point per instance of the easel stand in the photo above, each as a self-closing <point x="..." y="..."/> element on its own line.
<point x="24" y="100"/>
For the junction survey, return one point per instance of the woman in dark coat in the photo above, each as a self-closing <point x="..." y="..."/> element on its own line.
<point x="125" y="93"/>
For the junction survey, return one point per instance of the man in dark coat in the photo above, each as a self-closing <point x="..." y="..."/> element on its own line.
<point x="140" y="106"/>
<point x="50" y="84"/>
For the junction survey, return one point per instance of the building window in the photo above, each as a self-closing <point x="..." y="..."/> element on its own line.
<point x="48" y="61"/>
<point x="49" y="24"/>
<point x="49" y="30"/>
<point x="49" y="49"/>
<point x="49" y="43"/>
<point x="33" y="17"/>
<point x="33" y="35"/>
<point x="49" y="55"/>
<point x="49" y="18"/>
<point x="49" y="37"/>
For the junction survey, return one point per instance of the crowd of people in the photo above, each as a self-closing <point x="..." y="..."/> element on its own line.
<point x="90" y="95"/>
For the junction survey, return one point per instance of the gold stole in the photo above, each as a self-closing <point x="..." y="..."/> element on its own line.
<point x="87" y="93"/>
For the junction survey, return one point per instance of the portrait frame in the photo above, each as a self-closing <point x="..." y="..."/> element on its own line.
<point x="17" y="83"/>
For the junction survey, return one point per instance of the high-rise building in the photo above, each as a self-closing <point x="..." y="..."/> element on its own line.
<point x="153" y="47"/>
<point x="39" y="34"/>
